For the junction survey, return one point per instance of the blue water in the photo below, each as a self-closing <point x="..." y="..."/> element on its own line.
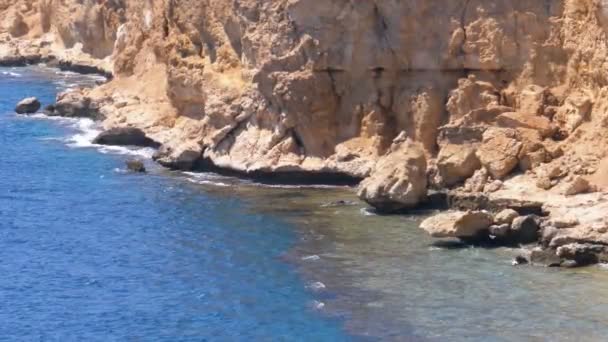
<point x="89" y="253"/>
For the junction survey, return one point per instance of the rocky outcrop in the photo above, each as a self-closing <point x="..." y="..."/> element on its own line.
<point x="29" y="105"/>
<point x="399" y="179"/>
<point x="496" y="94"/>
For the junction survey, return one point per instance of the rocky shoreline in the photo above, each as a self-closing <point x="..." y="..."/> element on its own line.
<point x="496" y="114"/>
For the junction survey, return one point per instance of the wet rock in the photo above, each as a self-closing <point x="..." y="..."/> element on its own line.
<point x="458" y="224"/>
<point x="519" y="260"/>
<point x="125" y="137"/>
<point x="500" y="231"/>
<point x="49" y="110"/>
<point x="29" y="105"/>
<point x="339" y="203"/>
<point x="399" y="180"/>
<point x="524" y="229"/>
<point x="135" y="165"/>
<point x="545" y="257"/>
<point x="506" y="216"/>
<point x="582" y="254"/>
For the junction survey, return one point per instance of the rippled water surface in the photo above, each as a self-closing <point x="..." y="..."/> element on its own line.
<point x="89" y="252"/>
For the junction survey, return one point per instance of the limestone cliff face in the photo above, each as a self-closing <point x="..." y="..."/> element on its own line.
<point x="327" y="86"/>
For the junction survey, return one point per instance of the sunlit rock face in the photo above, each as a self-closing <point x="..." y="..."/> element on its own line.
<point x="326" y="86"/>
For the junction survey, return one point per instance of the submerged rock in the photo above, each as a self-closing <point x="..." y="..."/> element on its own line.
<point x="29" y="105"/>
<point x="399" y="180"/>
<point x="125" y="137"/>
<point x="545" y="257"/>
<point x="135" y="165"/>
<point x="458" y="224"/>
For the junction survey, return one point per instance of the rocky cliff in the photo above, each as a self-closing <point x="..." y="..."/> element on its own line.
<point x="410" y="94"/>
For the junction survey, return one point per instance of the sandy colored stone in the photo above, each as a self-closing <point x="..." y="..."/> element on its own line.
<point x="398" y="180"/>
<point x="457" y="163"/>
<point x="457" y="224"/>
<point x="499" y="151"/>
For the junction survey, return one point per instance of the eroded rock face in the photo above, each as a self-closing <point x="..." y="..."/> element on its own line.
<point x="499" y="151"/>
<point x="399" y="179"/>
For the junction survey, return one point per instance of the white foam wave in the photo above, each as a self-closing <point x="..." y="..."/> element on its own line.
<point x="367" y="212"/>
<point x="11" y="74"/>
<point x="207" y="182"/>
<point x="317" y="286"/>
<point x="311" y="258"/>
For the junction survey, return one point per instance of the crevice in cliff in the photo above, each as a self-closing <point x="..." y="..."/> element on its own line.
<point x="463" y="26"/>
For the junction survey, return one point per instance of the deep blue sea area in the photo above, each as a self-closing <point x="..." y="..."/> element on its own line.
<point x="89" y="253"/>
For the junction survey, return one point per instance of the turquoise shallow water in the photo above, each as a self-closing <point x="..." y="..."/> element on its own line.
<point x="88" y="252"/>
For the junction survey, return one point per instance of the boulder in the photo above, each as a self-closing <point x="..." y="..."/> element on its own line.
<point x="583" y="253"/>
<point x="528" y="121"/>
<point x="545" y="257"/>
<point x="125" y="137"/>
<point x="456" y="163"/>
<point x="458" y="224"/>
<point x="578" y="185"/>
<point x="574" y="112"/>
<point x="398" y="181"/>
<point x="499" y="151"/>
<point x="506" y="216"/>
<point x="135" y="165"/>
<point x="49" y="110"/>
<point x="524" y="229"/>
<point x="76" y="105"/>
<point x="499" y="230"/>
<point x="29" y="105"/>
<point x="185" y="157"/>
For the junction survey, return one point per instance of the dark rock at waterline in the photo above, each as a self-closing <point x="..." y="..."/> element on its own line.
<point x="125" y="137"/>
<point x="524" y="229"/>
<point x="135" y="165"/>
<point x="545" y="257"/>
<point x="583" y="253"/>
<point x="49" y="110"/>
<point x="519" y="260"/>
<point x="29" y="105"/>
<point x="339" y="203"/>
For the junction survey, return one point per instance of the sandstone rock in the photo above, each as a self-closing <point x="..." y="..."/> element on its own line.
<point x="528" y="121"/>
<point x="506" y="216"/>
<point x="470" y="224"/>
<point x="499" y="151"/>
<point x="578" y="185"/>
<point x="29" y="105"/>
<point x="544" y="183"/>
<point x="547" y="234"/>
<point x="563" y="222"/>
<point x="124" y="137"/>
<point x="398" y="180"/>
<point x="574" y="112"/>
<point x="531" y="100"/>
<point x="185" y="157"/>
<point x="135" y="165"/>
<point x="477" y="182"/>
<point x="457" y="163"/>
<point x="524" y="229"/>
<point x="493" y="186"/>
